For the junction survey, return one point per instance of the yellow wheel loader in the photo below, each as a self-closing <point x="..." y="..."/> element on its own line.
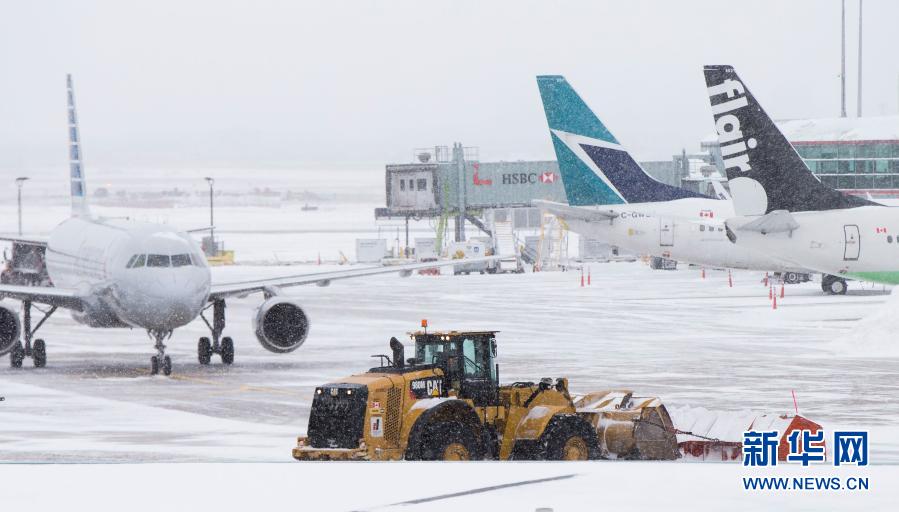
<point x="446" y="404"/>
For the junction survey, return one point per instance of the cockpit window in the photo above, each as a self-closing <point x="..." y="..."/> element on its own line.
<point x="158" y="260"/>
<point x="136" y="261"/>
<point x="181" y="260"/>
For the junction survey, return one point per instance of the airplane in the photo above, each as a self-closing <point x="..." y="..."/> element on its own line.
<point x="610" y="197"/>
<point x="783" y="209"/>
<point x="121" y="273"/>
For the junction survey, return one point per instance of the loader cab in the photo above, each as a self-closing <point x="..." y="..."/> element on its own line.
<point x="468" y="360"/>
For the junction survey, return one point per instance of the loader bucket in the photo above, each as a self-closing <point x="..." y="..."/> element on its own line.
<point x="629" y="427"/>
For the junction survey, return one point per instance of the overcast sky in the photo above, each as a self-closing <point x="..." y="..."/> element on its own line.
<point x="329" y="84"/>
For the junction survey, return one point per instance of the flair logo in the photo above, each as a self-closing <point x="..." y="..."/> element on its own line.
<point x="733" y="148"/>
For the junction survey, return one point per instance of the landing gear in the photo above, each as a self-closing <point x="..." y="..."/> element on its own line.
<point x="833" y="285"/>
<point x="37" y="352"/>
<point x="224" y="347"/>
<point x="160" y="359"/>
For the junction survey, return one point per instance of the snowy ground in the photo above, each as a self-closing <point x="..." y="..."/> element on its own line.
<point x="691" y="341"/>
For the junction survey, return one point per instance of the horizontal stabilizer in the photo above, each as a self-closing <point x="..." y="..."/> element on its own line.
<point x="24" y="241"/>
<point x="565" y="211"/>
<point x="778" y="221"/>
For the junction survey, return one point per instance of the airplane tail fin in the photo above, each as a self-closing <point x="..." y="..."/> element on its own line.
<point x="76" y="171"/>
<point x="595" y="168"/>
<point x="764" y="171"/>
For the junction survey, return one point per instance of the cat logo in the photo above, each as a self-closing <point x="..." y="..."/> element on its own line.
<point x="426" y="388"/>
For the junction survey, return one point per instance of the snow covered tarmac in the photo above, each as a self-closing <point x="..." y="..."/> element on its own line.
<point x="691" y="341"/>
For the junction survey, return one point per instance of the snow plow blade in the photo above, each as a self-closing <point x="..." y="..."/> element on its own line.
<point x="629" y="427"/>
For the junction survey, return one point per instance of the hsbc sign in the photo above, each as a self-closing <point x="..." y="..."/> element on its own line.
<point x="525" y="178"/>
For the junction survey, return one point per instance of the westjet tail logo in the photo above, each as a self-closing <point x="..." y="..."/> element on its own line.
<point x="728" y="97"/>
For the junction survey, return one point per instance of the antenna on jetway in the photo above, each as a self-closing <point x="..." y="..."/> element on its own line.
<point x="76" y="171"/>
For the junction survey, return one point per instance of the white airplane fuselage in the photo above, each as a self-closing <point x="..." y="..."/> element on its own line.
<point x="689" y="230"/>
<point x="132" y="274"/>
<point x="861" y="243"/>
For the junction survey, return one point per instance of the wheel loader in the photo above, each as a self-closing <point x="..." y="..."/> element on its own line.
<point x="446" y="403"/>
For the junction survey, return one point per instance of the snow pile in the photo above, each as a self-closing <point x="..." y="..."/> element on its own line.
<point x="875" y="334"/>
<point x="722" y="425"/>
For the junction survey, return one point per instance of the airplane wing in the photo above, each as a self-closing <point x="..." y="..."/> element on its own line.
<point x="24" y="240"/>
<point x="60" y="297"/>
<point x="574" y="212"/>
<point x="271" y="285"/>
<point x="777" y="221"/>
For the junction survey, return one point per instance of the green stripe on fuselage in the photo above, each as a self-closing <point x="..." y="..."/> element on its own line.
<point x="885" y="277"/>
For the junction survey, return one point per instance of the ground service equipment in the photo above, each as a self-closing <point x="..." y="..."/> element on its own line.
<point x="446" y="404"/>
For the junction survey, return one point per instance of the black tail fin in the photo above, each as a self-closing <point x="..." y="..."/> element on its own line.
<point x="764" y="171"/>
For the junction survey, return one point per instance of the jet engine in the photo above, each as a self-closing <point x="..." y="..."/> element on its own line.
<point x="10" y="329"/>
<point x="281" y="325"/>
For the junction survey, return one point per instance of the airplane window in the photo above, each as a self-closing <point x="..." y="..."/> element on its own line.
<point x="181" y="260"/>
<point x="889" y="239"/>
<point x="131" y="261"/>
<point x="139" y="262"/>
<point x="158" y="260"/>
<point x="702" y="227"/>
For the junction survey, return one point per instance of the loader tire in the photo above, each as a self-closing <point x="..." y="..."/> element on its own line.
<point x="450" y="441"/>
<point x="569" y="437"/>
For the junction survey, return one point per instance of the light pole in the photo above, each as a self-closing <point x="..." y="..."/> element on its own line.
<point x="19" y="182"/>
<point x="211" y="183"/>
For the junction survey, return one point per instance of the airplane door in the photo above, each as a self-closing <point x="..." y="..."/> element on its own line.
<point x="851" y="242"/>
<point x="666" y="231"/>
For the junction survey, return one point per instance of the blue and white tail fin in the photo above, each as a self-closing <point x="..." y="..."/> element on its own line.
<point x="595" y="168"/>
<point x="76" y="170"/>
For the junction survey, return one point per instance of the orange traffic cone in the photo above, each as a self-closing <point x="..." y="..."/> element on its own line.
<point x="774" y="304"/>
<point x="582" y="278"/>
<point x="766" y="279"/>
<point x="781" y="290"/>
<point x="770" y="292"/>
<point x="703" y="273"/>
<point x="588" y="276"/>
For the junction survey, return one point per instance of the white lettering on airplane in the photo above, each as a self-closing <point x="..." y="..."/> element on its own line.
<point x="733" y="147"/>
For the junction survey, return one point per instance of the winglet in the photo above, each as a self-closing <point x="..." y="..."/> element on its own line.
<point x="76" y="171"/>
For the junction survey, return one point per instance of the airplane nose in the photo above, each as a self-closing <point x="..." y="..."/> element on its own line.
<point x="167" y="303"/>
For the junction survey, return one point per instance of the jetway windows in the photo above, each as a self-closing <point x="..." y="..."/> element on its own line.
<point x="159" y="260"/>
<point x="526" y="218"/>
<point x="402" y="185"/>
<point x="422" y="184"/>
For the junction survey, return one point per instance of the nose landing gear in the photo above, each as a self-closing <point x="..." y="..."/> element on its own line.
<point x="160" y="359"/>
<point x="224" y="347"/>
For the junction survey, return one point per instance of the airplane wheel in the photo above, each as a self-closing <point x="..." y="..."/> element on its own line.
<point x="838" y="287"/>
<point x="204" y="350"/>
<point x="154" y="365"/>
<point x="39" y="354"/>
<point x="16" y="356"/>
<point x="227" y="350"/>
<point x="166" y="365"/>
